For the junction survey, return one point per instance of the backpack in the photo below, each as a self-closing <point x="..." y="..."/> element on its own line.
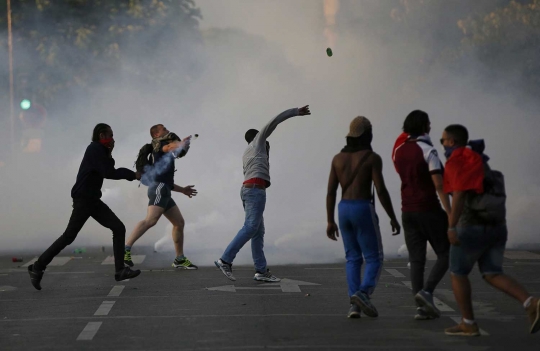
<point x="490" y="206"/>
<point x="144" y="159"/>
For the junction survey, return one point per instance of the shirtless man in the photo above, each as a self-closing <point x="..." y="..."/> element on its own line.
<point x="355" y="168"/>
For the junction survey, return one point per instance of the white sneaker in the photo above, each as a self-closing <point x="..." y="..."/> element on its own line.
<point x="225" y="269"/>
<point x="266" y="277"/>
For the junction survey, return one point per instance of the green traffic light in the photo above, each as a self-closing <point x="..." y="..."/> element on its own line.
<point x="25" y="104"/>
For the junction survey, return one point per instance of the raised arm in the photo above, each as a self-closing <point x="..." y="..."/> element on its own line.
<point x="178" y="147"/>
<point x="331" y="229"/>
<point x="268" y="129"/>
<point x="382" y="192"/>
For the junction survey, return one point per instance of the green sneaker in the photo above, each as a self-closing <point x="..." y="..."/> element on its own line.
<point x="184" y="264"/>
<point x="127" y="259"/>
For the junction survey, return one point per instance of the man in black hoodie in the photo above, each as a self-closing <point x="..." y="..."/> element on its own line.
<point x="97" y="164"/>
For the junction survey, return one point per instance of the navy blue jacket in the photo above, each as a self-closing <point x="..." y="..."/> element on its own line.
<point x="96" y="165"/>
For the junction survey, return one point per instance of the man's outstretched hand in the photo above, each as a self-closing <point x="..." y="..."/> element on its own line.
<point x="189" y="191"/>
<point x="303" y="111"/>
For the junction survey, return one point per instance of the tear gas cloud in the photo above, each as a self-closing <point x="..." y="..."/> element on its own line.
<point x="259" y="58"/>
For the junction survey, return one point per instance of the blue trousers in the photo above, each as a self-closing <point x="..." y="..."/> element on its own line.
<point x="361" y="236"/>
<point x="254" y="201"/>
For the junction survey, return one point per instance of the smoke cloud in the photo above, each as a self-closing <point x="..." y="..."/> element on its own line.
<point x="257" y="59"/>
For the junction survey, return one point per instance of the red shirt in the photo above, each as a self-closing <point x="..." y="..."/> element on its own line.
<point x="464" y="171"/>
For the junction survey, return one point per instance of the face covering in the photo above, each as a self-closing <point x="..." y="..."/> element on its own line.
<point x="363" y="142"/>
<point x="448" y="151"/>
<point x="106" y="142"/>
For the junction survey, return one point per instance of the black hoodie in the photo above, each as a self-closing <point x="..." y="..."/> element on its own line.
<point x="96" y="165"/>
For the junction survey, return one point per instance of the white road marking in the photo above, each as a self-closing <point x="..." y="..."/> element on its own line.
<point x="89" y="331"/>
<point x="7" y="288"/>
<point x="521" y="255"/>
<point x="137" y="259"/>
<point x="285" y="285"/>
<point x="105" y="308"/>
<point x="116" y="291"/>
<point x="323" y="268"/>
<point x="395" y="272"/>
<point x="458" y="320"/>
<point x="57" y="261"/>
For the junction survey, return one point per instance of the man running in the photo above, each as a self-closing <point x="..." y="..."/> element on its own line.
<point x="477" y="228"/>
<point x="97" y="164"/>
<point x="356" y="168"/>
<point x="160" y="180"/>
<point x="423" y="219"/>
<point x="253" y="195"/>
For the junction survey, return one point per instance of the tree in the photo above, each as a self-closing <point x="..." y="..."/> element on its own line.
<point x="67" y="47"/>
<point x="506" y="40"/>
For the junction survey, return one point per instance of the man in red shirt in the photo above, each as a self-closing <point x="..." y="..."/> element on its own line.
<point x="421" y="173"/>
<point x="472" y="238"/>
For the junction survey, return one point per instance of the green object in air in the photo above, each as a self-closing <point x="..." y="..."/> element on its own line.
<point x="329" y="52"/>
<point x="25" y="104"/>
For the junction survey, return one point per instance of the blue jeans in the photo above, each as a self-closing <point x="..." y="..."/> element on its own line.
<point x="482" y="244"/>
<point x="254" y="200"/>
<point x="361" y="237"/>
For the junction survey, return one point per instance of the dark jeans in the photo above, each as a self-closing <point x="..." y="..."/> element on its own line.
<point x="82" y="210"/>
<point x="420" y="228"/>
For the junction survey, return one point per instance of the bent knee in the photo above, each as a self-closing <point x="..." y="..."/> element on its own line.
<point x="150" y="222"/>
<point x="179" y="224"/>
<point x="120" y="228"/>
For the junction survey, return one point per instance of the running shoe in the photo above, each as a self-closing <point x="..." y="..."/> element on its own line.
<point x="126" y="273"/>
<point x="225" y="269"/>
<point x="422" y="315"/>
<point x="534" y="315"/>
<point x="425" y="300"/>
<point x="361" y="299"/>
<point x="35" y="277"/>
<point x="266" y="277"/>
<point x="463" y="329"/>
<point x="354" y="312"/>
<point x="184" y="264"/>
<point x="127" y="258"/>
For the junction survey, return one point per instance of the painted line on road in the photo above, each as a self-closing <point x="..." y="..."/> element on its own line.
<point x="105" y="308"/>
<point x="521" y="255"/>
<point x="395" y="272"/>
<point x="324" y="268"/>
<point x="116" y="291"/>
<point x="57" y="261"/>
<point x="89" y="331"/>
<point x="438" y="303"/>
<point x="457" y="319"/>
<point x="137" y="259"/>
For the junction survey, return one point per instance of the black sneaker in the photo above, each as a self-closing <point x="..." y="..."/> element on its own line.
<point x="127" y="259"/>
<point x="354" y="312"/>
<point x="126" y="273"/>
<point x="35" y="277"/>
<point x="362" y="300"/>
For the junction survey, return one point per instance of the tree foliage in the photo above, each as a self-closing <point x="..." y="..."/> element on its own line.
<point x="508" y="40"/>
<point x="65" y="47"/>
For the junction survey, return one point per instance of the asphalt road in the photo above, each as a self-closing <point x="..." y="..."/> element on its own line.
<point x="82" y="307"/>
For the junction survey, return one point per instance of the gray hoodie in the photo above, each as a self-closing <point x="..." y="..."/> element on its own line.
<point x="255" y="158"/>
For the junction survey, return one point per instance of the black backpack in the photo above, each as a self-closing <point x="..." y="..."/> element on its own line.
<point x="490" y="206"/>
<point x="144" y="159"/>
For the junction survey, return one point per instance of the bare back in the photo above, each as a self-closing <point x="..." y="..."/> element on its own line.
<point x="345" y="164"/>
